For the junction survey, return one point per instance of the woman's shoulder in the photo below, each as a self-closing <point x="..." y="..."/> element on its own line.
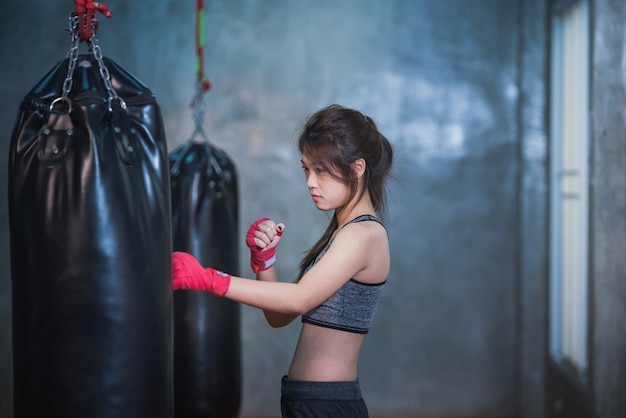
<point x="362" y="231"/>
<point x="367" y="246"/>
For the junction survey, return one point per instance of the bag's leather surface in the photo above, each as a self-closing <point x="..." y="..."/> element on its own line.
<point x="207" y="342"/>
<point x="90" y="236"/>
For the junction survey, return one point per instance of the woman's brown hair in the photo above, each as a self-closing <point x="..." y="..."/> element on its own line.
<point x="334" y="138"/>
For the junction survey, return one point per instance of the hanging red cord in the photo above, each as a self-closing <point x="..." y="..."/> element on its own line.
<point x="204" y="82"/>
<point x="86" y="13"/>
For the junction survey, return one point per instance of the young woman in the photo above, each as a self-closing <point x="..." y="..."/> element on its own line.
<point x="346" y="161"/>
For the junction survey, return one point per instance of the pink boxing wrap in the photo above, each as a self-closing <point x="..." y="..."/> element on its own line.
<point x="187" y="273"/>
<point x="260" y="258"/>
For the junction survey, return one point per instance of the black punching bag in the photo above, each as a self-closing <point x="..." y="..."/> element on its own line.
<point x="90" y="237"/>
<point x="207" y="341"/>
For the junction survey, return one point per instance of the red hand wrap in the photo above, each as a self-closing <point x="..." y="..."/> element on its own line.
<point x="187" y="273"/>
<point x="260" y="258"/>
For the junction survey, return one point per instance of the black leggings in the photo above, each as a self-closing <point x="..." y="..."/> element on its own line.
<point x="301" y="399"/>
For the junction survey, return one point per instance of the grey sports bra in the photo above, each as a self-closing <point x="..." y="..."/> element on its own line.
<point x="352" y="307"/>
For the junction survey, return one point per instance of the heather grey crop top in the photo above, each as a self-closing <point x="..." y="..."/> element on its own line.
<point x="352" y="307"/>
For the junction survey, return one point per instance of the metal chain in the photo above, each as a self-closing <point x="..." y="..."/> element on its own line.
<point x="72" y="56"/>
<point x="197" y="109"/>
<point x="71" y="66"/>
<point x="104" y="73"/>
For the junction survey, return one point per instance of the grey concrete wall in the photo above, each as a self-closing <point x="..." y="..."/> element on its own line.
<point x="451" y="83"/>
<point x="608" y="210"/>
<point x="532" y="284"/>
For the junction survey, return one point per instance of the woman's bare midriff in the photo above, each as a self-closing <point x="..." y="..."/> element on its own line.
<point x="325" y="355"/>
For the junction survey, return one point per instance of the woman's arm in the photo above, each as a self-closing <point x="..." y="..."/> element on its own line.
<point x="277" y="319"/>
<point x="274" y="319"/>
<point x="346" y="258"/>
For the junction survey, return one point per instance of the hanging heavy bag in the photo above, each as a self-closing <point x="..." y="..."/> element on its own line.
<point x="90" y="238"/>
<point x="207" y="342"/>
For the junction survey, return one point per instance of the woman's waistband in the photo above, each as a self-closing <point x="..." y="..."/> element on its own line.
<point x="302" y="389"/>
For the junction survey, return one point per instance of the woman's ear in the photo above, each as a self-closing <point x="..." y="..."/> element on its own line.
<point x="359" y="167"/>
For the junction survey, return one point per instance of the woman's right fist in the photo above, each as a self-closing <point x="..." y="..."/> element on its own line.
<point x="262" y="238"/>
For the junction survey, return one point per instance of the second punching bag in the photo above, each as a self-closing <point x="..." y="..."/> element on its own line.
<point x="90" y="236"/>
<point x="207" y="347"/>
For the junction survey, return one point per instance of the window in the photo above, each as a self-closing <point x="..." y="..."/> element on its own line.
<point x="569" y="133"/>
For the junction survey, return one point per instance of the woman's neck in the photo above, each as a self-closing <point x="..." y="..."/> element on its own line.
<point x="362" y="207"/>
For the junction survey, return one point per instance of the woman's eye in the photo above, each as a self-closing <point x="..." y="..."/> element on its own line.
<point x="305" y="169"/>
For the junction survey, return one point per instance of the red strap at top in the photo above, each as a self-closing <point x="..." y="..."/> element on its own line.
<point x="86" y="12"/>
<point x="204" y="82"/>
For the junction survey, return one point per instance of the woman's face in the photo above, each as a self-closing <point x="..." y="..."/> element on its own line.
<point x="327" y="192"/>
